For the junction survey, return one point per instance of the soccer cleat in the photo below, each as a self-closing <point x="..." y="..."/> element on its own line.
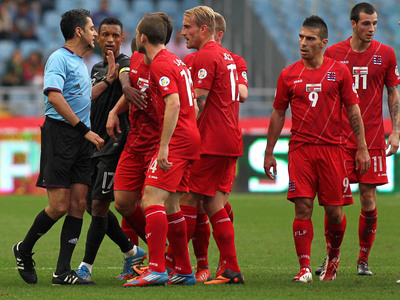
<point x="181" y="279"/>
<point x="84" y="273"/>
<point x="362" y="268"/>
<point x="69" y="278"/>
<point x="139" y="270"/>
<point x="203" y="274"/>
<point x="228" y="277"/>
<point x="137" y="259"/>
<point x="330" y="271"/>
<point x="304" y="276"/>
<point x="320" y="268"/>
<point x="220" y="268"/>
<point x="148" y="278"/>
<point x="25" y="265"/>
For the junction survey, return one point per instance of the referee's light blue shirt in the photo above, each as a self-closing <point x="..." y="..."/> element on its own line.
<point x="66" y="72"/>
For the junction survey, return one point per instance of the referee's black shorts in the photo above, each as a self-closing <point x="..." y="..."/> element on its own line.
<point x="65" y="156"/>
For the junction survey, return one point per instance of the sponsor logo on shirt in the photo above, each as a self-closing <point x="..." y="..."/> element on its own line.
<point x="377" y="60"/>
<point x="344" y="62"/>
<point x="360" y="70"/>
<point x="331" y="76"/>
<point x="202" y="73"/>
<point x="298" y="81"/>
<point x="134" y="71"/>
<point x="164" y="81"/>
<point x="313" y="87"/>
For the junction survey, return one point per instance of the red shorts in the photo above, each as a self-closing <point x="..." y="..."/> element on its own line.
<point x="212" y="173"/>
<point x="376" y="173"/>
<point x="319" y="169"/>
<point x="175" y="179"/>
<point x="131" y="171"/>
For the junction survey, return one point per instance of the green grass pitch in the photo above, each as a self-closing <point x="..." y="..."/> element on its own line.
<point x="264" y="245"/>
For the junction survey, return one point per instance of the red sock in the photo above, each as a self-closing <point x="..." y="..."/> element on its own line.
<point x="328" y="242"/>
<point x="156" y="232"/>
<point x="336" y="234"/>
<point x="190" y="214"/>
<point x="229" y="211"/>
<point x="201" y="239"/>
<point x="303" y="233"/>
<point x="138" y="222"/>
<point x="366" y="232"/>
<point x="130" y="233"/>
<point x="224" y="236"/>
<point x="178" y="243"/>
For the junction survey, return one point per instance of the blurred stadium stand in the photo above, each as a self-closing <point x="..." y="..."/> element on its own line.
<point x="264" y="32"/>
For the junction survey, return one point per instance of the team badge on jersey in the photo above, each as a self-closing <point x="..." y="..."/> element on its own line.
<point x="377" y="60"/>
<point x="360" y="70"/>
<point x="244" y="75"/>
<point x="202" y="73"/>
<point x="164" y="81"/>
<point x="396" y="70"/>
<point x="313" y="87"/>
<point x="331" y="76"/>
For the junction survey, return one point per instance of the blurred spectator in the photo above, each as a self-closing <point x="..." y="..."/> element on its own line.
<point x="33" y="69"/>
<point x="177" y="45"/>
<point x="5" y="21"/>
<point x="23" y="23"/>
<point x="14" y="74"/>
<point x="102" y="13"/>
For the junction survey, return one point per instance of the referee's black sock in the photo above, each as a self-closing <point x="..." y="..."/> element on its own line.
<point x="96" y="233"/>
<point x="40" y="226"/>
<point x="116" y="234"/>
<point x="69" y="238"/>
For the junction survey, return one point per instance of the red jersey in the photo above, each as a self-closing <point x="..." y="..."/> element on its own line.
<point x="241" y="68"/>
<point x="215" y="70"/>
<point x="143" y="136"/>
<point x="169" y="75"/>
<point x="371" y="70"/>
<point x="316" y="98"/>
<point x="188" y="60"/>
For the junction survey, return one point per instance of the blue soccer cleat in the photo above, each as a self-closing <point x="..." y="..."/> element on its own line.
<point x="176" y="278"/>
<point x="137" y="259"/>
<point x="149" y="278"/>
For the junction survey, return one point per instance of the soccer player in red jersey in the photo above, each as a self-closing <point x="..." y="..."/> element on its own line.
<point x="201" y="233"/>
<point x="141" y="145"/>
<point x="316" y="87"/>
<point x="172" y="94"/>
<point x="373" y="65"/>
<point x="211" y="178"/>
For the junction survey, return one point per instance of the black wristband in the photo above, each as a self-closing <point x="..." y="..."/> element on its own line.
<point x="81" y="128"/>
<point x="106" y="82"/>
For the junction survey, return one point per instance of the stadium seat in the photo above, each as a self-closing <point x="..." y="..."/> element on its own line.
<point x="27" y="46"/>
<point x="187" y="4"/>
<point x="51" y="19"/>
<point x="118" y="7"/>
<point x="6" y="49"/>
<point x="142" y="7"/>
<point x="64" y="5"/>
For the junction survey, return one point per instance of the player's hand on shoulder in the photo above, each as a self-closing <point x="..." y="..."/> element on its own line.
<point x="135" y="97"/>
<point x="95" y="139"/>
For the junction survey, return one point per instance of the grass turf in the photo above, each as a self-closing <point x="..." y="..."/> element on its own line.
<point x="264" y="246"/>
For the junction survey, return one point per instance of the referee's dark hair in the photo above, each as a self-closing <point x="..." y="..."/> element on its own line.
<point x="72" y="19"/>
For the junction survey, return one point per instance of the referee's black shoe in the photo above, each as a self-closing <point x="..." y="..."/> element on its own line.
<point x="70" y="278"/>
<point x="25" y="265"/>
